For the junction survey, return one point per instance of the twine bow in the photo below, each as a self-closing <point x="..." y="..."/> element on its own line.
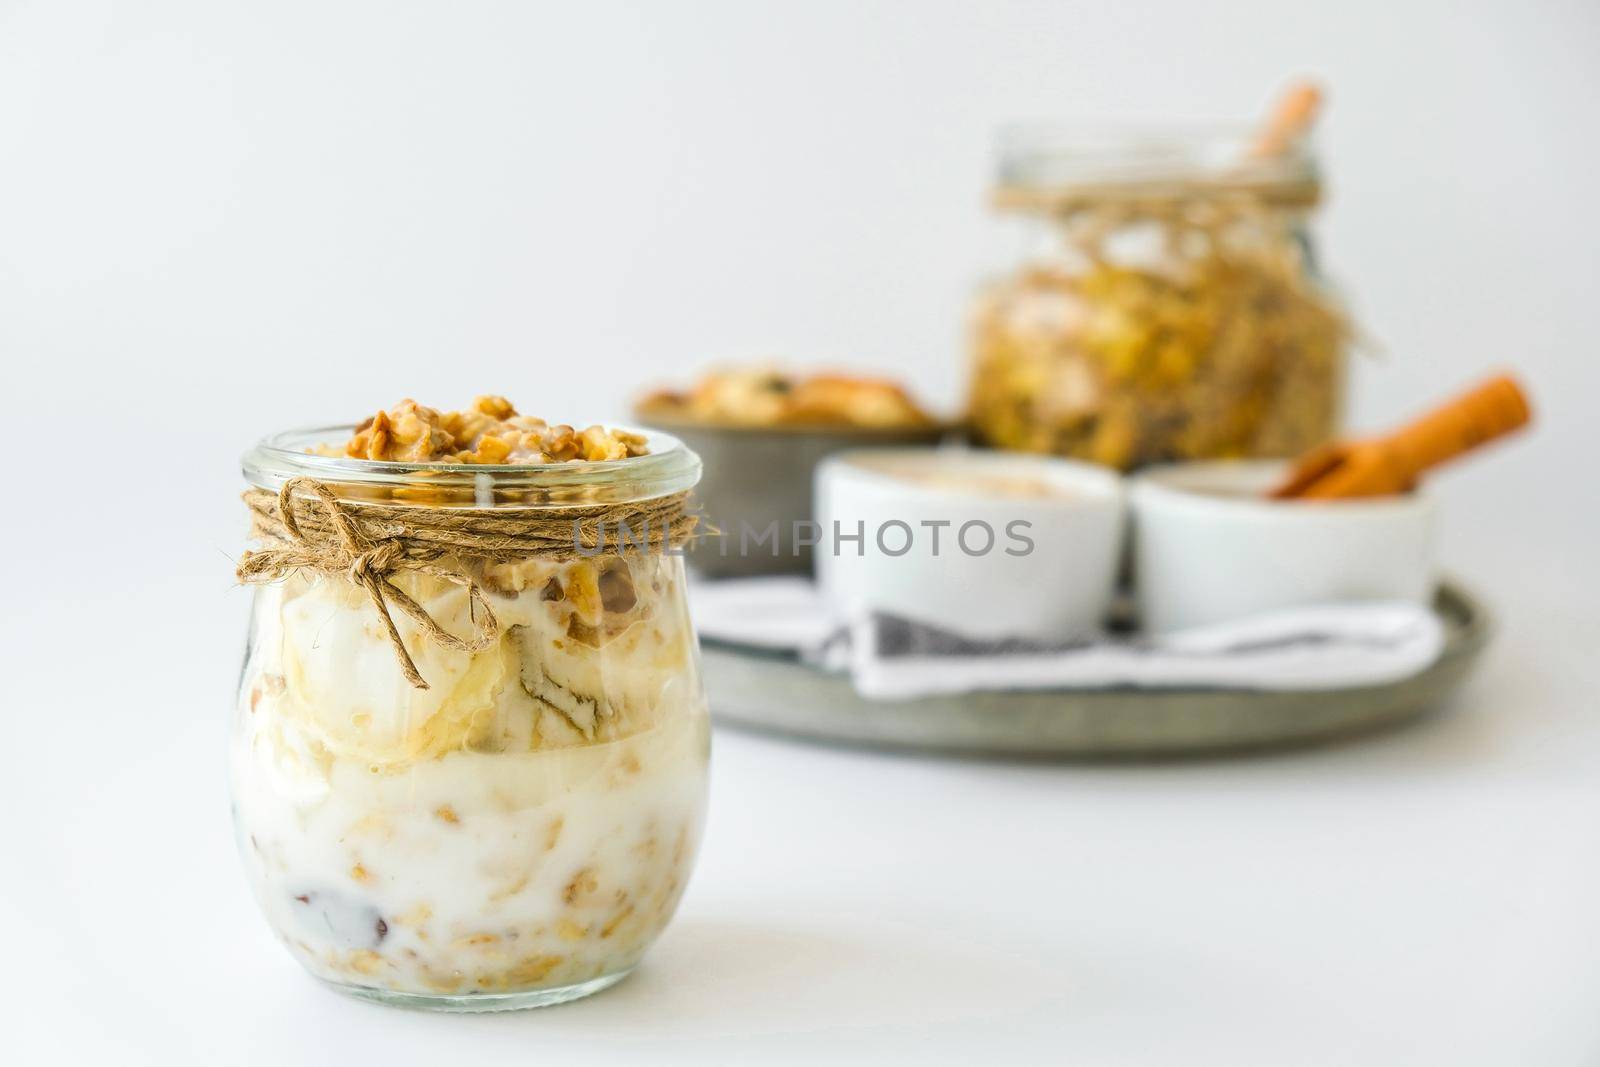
<point x="338" y="546"/>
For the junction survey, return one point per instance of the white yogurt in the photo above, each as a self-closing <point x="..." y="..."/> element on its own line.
<point x="527" y="823"/>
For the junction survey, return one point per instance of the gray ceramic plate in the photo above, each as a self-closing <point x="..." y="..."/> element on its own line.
<point x="756" y="476"/>
<point x="776" y="693"/>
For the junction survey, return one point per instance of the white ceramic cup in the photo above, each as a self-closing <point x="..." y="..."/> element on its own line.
<point x="1209" y="546"/>
<point x="982" y="544"/>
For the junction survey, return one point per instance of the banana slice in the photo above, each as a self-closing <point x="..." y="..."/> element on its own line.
<point x="342" y="682"/>
<point x="586" y="655"/>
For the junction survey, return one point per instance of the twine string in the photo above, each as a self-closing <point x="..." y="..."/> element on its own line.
<point x="367" y="543"/>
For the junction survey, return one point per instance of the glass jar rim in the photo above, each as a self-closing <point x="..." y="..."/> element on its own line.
<point x="668" y="467"/>
<point x="1046" y="164"/>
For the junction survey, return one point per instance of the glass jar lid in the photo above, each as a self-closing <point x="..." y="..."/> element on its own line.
<point x="1055" y="168"/>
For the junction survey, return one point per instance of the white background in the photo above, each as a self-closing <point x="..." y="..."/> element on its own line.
<point x="217" y="220"/>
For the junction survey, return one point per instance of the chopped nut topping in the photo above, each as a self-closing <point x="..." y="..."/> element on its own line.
<point x="490" y="431"/>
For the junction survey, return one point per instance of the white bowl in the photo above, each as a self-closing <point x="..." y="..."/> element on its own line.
<point x="1209" y="547"/>
<point x="1047" y="573"/>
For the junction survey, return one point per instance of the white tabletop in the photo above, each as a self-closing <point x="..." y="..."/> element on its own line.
<point x="1421" y="896"/>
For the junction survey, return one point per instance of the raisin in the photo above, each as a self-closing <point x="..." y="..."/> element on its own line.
<point x="616" y="591"/>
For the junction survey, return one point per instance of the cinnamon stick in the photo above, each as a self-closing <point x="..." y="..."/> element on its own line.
<point x="1296" y="112"/>
<point x="1393" y="464"/>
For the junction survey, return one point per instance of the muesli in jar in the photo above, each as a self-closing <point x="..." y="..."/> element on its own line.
<point x="1167" y="305"/>
<point x="470" y="754"/>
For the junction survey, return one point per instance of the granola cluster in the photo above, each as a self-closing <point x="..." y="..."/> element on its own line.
<point x="489" y="431"/>
<point x="766" y="397"/>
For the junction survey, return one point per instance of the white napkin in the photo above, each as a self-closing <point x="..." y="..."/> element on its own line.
<point x="1331" y="646"/>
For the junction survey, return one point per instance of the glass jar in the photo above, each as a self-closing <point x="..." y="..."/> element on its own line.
<point x="518" y="832"/>
<point x="1167" y="306"/>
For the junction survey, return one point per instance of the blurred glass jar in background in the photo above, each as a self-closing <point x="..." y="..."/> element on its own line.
<point x="1167" y="306"/>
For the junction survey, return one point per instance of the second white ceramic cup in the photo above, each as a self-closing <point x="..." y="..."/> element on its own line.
<point x="1209" y="547"/>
